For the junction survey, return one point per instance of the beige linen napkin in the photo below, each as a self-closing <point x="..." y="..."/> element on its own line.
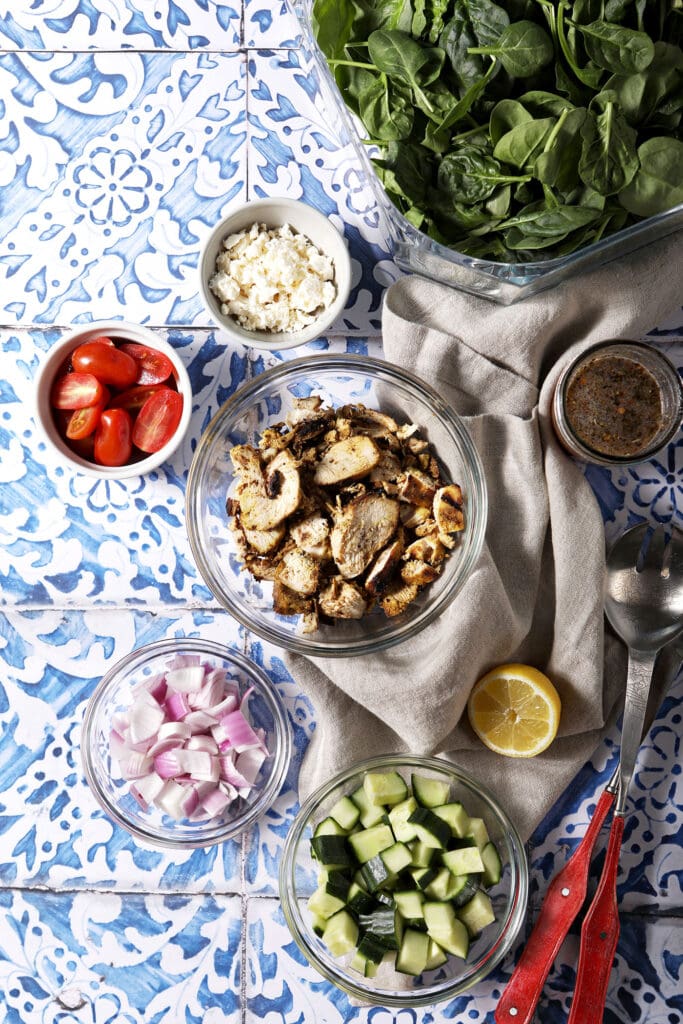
<point x="536" y="593"/>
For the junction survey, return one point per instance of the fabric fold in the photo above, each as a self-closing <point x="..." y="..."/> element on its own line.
<point x="536" y="593"/>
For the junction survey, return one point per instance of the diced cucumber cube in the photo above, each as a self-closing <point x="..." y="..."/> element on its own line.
<point x="492" y="865"/>
<point x="421" y="855"/>
<point x="409" y="903"/>
<point x="329" y="827"/>
<point x="479" y="832"/>
<point x="446" y="929"/>
<point x="345" y="813"/>
<point x="436" y="956"/>
<point x="385" y="788"/>
<point x="396" y="857"/>
<point x="464" y="861"/>
<point x="414" y="951"/>
<point x="341" y="933"/>
<point x="430" y="830"/>
<point x="323" y="905"/>
<point x="370" y="814"/>
<point x="478" y="913"/>
<point x="374" y="874"/>
<point x="364" y="965"/>
<point x="422" y="876"/>
<point x="398" y="819"/>
<point x="371" y="841"/>
<point x="430" y="792"/>
<point x="443" y="886"/>
<point x="359" y="900"/>
<point x="456" y="816"/>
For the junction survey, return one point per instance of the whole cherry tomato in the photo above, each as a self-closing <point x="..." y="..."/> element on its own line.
<point x="83" y="422"/>
<point x="153" y="366"/>
<point x="113" y="445"/>
<point x="158" y="420"/>
<point x="133" y="399"/>
<point x="76" y="391"/>
<point x="109" y="364"/>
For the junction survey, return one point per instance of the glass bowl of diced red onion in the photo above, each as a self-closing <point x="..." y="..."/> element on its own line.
<point x="185" y="743"/>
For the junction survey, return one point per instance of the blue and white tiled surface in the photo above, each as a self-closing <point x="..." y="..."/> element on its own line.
<point x="125" y="129"/>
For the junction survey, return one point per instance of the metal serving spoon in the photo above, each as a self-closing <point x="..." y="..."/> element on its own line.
<point x="644" y="603"/>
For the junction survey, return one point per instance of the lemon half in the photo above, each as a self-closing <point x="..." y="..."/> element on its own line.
<point x="515" y="710"/>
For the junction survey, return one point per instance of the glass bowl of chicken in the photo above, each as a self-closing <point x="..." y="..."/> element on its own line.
<point x="336" y="505"/>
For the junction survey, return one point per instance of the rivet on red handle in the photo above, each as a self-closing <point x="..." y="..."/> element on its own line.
<point x="562" y="903"/>
<point x="599" y="936"/>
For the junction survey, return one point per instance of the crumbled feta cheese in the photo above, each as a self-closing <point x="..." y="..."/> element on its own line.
<point x="272" y="279"/>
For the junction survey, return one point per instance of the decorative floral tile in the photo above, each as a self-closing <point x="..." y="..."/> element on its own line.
<point x="53" y="831"/>
<point x="263" y="844"/>
<point x="295" y="151"/>
<point x="67" y="958"/>
<point x="105" y="211"/>
<point x="120" y="24"/>
<point x="270" y="25"/>
<point x="71" y="539"/>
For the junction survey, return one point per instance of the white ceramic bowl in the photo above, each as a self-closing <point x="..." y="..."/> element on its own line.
<point x="274" y="213"/>
<point x="55" y="359"/>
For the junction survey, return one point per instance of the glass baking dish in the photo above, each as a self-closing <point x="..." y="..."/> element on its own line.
<point x="414" y="251"/>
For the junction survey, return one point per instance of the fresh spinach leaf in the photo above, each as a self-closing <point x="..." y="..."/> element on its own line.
<point x="544" y="104"/>
<point x="557" y="166"/>
<point x="456" y="39"/>
<point x="523" y="48"/>
<point x="506" y="114"/>
<point x="488" y="20"/>
<point x="399" y="56"/>
<point x="623" y="51"/>
<point x="332" y="21"/>
<point x="471" y="174"/>
<point x="521" y="144"/>
<point x="639" y="95"/>
<point x="608" y="152"/>
<point x="386" y="109"/>
<point x="657" y="185"/>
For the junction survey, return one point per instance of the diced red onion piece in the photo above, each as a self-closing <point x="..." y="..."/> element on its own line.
<point x="248" y="764"/>
<point x="215" y="802"/>
<point x="170" y="799"/>
<point x="145" y="721"/>
<point x="185" y="680"/>
<point x="238" y="731"/>
<point x="202" y="741"/>
<point x="168" y="764"/>
<point x="136" y="766"/>
<point x="177" y="706"/>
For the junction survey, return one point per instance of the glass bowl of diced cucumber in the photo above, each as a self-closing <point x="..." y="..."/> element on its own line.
<point x="403" y="881"/>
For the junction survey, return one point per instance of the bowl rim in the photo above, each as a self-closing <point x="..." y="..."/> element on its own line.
<point x="519" y="884"/>
<point x="477" y="499"/>
<point x="266" y="691"/>
<point x="341" y="258"/>
<point x="55" y="356"/>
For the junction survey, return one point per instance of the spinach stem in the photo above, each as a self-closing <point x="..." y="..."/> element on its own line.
<point x="351" y="64"/>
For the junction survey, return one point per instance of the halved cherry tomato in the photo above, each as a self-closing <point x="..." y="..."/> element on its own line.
<point x="158" y="420"/>
<point x="113" y="445"/>
<point x="83" y="422"/>
<point x="153" y="366"/>
<point x="133" y="399"/>
<point x="76" y="391"/>
<point x="109" y="364"/>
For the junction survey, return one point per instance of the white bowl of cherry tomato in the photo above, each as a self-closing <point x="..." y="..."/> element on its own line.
<point x="113" y="399"/>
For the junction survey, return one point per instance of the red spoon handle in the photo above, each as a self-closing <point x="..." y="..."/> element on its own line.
<point x="562" y="903"/>
<point x="599" y="935"/>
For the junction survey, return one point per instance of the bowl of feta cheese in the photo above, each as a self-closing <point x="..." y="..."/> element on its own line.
<point x="275" y="273"/>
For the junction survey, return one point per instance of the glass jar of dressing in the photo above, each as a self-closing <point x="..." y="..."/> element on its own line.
<point x="618" y="403"/>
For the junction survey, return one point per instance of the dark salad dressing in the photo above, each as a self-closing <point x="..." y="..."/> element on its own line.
<point x="614" y="406"/>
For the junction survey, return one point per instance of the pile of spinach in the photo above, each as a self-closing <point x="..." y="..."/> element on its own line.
<point x="515" y="130"/>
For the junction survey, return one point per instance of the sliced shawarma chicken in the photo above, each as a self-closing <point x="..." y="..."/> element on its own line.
<point x="413" y="516"/>
<point x="397" y="597"/>
<point x="349" y="459"/>
<point x="387" y="470"/>
<point x="342" y="600"/>
<point x="448" y="513"/>
<point x="383" y="569"/>
<point x="304" y="409"/>
<point x="288" y="602"/>
<point x="265" y="541"/>
<point x="299" y="572"/>
<point x="427" y="549"/>
<point x="312" y="535"/>
<point x="418" y="572"/>
<point x="266" y="503"/>
<point x="416" y="488"/>
<point x="360" y="530"/>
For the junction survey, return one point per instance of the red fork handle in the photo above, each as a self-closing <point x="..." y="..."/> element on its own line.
<point x="599" y="936"/>
<point x="562" y="903"/>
